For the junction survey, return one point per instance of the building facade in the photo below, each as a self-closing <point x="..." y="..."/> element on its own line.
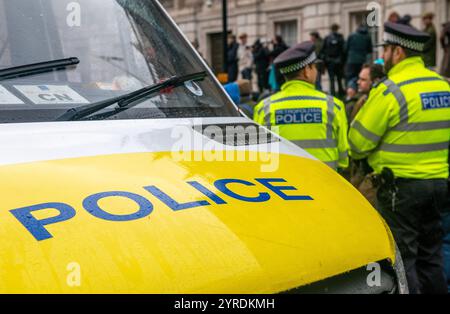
<point x="201" y="20"/>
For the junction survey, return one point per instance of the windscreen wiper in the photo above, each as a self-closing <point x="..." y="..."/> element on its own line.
<point x="126" y="101"/>
<point x="37" y="68"/>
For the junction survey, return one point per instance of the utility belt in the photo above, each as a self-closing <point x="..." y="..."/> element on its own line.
<point x="387" y="181"/>
<point x="369" y="184"/>
<point x="373" y="182"/>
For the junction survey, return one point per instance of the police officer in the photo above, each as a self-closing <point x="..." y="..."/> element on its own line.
<point x="404" y="130"/>
<point x="304" y="115"/>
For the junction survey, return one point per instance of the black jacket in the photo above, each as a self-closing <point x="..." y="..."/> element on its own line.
<point x="278" y="49"/>
<point x="260" y="57"/>
<point x="233" y="53"/>
<point x="359" y="46"/>
<point x="333" y="50"/>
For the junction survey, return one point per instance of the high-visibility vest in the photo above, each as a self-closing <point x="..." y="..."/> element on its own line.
<point x="309" y="118"/>
<point x="405" y="123"/>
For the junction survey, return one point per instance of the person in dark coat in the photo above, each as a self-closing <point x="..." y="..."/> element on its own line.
<point x="429" y="56"/>
<point x="358" y="51"/>
<point x="405" y="20"/>
<point x="445" y="43"/>
<point x="232" y="57"/>
<point x="318" y="44"/>
<point x="333" y="52"/>
<point x="279" y="46"/>
<point x="261" y="60"/>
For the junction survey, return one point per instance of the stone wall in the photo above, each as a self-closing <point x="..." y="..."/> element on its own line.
<point x="257" y="18"/>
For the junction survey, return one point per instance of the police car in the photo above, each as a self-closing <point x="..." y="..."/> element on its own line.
<point x="125" y="168"/>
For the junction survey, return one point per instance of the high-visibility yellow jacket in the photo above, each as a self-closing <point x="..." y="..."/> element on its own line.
<point x="405" y="123"/>
<point x="309" y="118"/>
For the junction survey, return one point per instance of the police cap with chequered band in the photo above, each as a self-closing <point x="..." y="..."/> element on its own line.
<point x="296" y="58"/>
<point x="405" y="36"/>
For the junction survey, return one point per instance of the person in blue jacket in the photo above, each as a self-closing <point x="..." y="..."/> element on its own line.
<point x="241" y="94"/>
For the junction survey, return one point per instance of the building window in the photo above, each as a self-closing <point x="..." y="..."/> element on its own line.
<point x="288" y="30"/>
<point x="448" y="10"/>
<point x="357" y="19"/>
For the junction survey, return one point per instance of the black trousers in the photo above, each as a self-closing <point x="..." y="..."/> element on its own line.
<point x="336" y="73"/>
<point x="232" y="72"/>
<point x="416" y="223"/>
<point x="263" y="80"/>
<point x="247" y="74"/>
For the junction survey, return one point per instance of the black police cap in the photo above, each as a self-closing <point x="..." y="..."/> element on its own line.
<point x="296" y="58"/>
<point x="405" y="36"/>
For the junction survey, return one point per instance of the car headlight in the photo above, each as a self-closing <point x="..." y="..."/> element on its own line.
<point x="388" y="279"/>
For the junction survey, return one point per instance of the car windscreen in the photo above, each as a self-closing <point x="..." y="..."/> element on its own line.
<point x="120" y="46"/>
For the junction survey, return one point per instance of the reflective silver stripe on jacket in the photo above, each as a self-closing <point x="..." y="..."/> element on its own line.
<point x="416" y="148"/>
<point x="400" y="97"/>
<point x="404" y="124"/>
<point x="330" y="117"/>
<point x="260" y="110"/>
<point x="266" y="108"/>
<point x="420" y="79"/>
<point x="332" y="164"/>
<point x="422" y="126"/>
<point x="364" y="132"/>
<point x="354" y="148"/>
<point x="296" y="98"/>
<point x="328" y="143"/>
<point x="343" y="155"/>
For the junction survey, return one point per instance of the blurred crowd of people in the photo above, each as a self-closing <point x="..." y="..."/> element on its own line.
<point x="349" y="62"/>
<point x="244" y="60"/>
